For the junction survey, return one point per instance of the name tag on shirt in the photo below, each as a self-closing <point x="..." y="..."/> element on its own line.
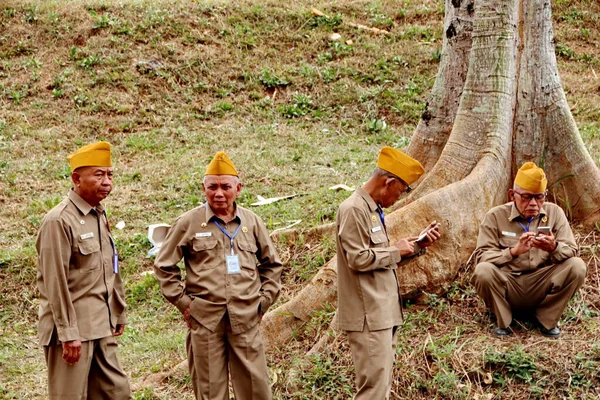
<point x="511" y="234"/>
<point x="203" y="234"/>
<point x="87" y="235"/>
<point x="233" y="264"/>
<point x="376" y="229"/>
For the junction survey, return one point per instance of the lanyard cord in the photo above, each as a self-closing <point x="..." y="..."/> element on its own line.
<point x="231" y="237"/>
<point x="526" y="227"/>
<point x="381" y="216"/>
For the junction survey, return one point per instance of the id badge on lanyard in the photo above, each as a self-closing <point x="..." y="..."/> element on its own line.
<point x="233" y="264"/>
<point x="115" y="257"/>
<point x="232" y="260"/>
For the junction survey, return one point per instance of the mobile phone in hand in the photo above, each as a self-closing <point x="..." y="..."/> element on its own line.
<point x="542" y="230"/>
<point x="422" y="237"/>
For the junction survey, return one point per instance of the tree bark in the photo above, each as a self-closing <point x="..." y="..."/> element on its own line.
<point x="497" y="103"/>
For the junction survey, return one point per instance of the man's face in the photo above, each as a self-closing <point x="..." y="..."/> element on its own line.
<point x="221" y="191"/>
<point x="93" y="184"/>
<point x="528" y="203"/>
<point x="392" y="191"/>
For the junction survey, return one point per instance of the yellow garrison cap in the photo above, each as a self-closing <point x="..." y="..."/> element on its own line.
<point x="402" y="165"/>
<point x="93" y="155"/>
<point x="221" y="165"/>
<point x="531" y="178"/>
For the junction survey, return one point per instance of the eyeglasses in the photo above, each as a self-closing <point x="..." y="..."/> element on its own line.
<point x="408" y="188"/>
<point x="537" y="197"/>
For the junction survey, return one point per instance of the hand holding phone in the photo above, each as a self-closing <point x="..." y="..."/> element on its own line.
<point x="423" y="236"/>
<point x="544" y="239"/>
<point x="542" y="230"/>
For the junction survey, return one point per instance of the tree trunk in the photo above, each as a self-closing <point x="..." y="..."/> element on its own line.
<point x="497" y="103"/>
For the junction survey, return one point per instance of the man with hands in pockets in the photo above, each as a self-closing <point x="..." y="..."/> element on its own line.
<point x="232" y="278"/>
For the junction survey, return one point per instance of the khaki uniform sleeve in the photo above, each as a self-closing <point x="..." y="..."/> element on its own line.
<point x="54" y="248"/>
<point x="563" y="235"/>
<point x="488" y="248"/>
<point x="269" y="268"/>
<point x="418" y="251"/>
<point x="165" y="266"/>
<point x="356" y="243"/>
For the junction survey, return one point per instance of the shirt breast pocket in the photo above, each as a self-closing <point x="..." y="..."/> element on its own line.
<point x="378" y="239"/>
<point x="248" y="254"/>
<point x="88" y="256"/>
<point x="204" y="253"/>
<point x="507" y="242"/>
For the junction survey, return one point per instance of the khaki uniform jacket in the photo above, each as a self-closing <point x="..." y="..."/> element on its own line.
<point x="208" y="288"/>
<point x="80" y="294"/>
<point x="367" y="281"/>
<point x="500" y="230"/>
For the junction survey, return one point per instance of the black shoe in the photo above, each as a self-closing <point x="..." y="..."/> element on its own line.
<point x="552" y="332"/>
<point x="502" y="332"/>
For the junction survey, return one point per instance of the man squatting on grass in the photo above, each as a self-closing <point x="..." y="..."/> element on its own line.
<point x="226" y="291"/>
<point x="369" y="303"/>
<point x="522" y="266"/>
<point x="81" y="294"/>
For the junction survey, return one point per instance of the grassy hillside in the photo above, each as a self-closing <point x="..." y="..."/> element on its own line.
<point x="171" y="83"/>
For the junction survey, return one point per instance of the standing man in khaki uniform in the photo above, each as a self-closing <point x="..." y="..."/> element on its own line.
<point x="82" y="305"/>
<point x="369" y="307"/>
<point x="526" y="256"/>
<point x="232" y="278"/>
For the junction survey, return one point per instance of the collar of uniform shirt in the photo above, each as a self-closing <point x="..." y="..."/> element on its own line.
<point x="210" y="215"/>
<point x="514" y="213"/>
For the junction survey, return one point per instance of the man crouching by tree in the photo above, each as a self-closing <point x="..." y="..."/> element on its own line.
<point x="526" y="256"/>
<point x="226" y="291"/>
<point x="369" y="308"/>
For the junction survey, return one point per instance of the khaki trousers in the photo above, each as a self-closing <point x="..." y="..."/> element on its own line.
<point x="547" y="290"/>
<point x="96" y="376"/>
<point x="373" y="353"/>
<point x="213" y="356"/>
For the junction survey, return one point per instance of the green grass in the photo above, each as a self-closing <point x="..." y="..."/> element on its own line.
<point x="171" y="83"/>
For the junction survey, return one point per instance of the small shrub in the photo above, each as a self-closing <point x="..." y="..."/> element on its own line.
<point x="88" y="62"/>
<point x="329" y="74"/>
<point x="102" y="21"/>
<point x="224" y="106"/>
<point x="270" y="80"/>
<point x="377" y="125"/>
<point x="515" y="363"/>
<point x="302" y="105"/>
<point x="330" y="22"/>
<point x="31" y="15"/>
<point x="325" y="379"/>
<point x="58" y="93"/>
<point x="564" y="51"/>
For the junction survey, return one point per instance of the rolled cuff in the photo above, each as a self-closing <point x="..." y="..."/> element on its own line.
<point x="395" y="257"/>
<point x="68" y="334"/>
<point x="183" y="303"/>
<point x="122" y="320"/>
<point x="505" y="257"/>
<point x="265" y="303"/>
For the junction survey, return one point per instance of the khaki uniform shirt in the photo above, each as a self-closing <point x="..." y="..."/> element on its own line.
<point x="80" y="293"/>
<point x="500" y="230"/>
<point x="367" y="281"/>
<point x="208" y="287"/>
